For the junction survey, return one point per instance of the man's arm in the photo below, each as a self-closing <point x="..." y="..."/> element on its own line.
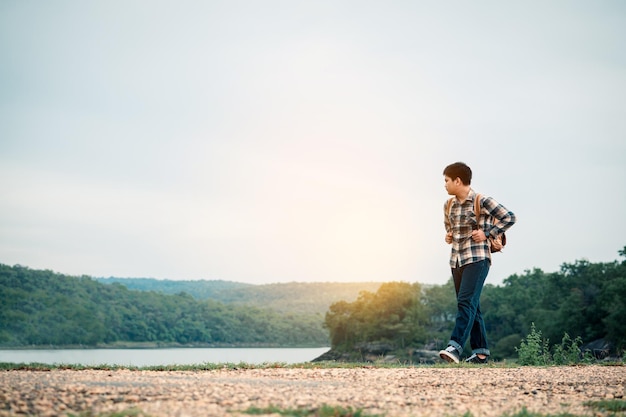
<point x="503" y="217"/>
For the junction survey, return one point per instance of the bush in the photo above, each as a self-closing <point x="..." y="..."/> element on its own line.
<point x="568" y="352"/>
<point x="533" y="349"/>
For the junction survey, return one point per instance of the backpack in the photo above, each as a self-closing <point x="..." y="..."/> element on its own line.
<point x="496" y="244"/>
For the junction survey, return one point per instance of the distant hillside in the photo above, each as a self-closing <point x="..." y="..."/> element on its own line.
<point x="201" y="290"/>
<point x="46" y="308"/>
<point x="293" y="297"/>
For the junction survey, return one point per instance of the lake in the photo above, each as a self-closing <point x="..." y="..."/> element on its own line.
<point x="161" y="357"/>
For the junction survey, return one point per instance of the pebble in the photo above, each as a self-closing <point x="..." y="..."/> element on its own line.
<point x="394" y="392"/>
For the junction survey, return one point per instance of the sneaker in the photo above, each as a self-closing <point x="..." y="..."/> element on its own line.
<point x="450" y="354"/>
<point x="475" y="359"/>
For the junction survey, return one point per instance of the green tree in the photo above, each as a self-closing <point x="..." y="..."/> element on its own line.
<point x="45" y="308"/>
<point x="393" y="314"/>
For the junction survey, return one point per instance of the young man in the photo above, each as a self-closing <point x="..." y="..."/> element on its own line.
<point x="470" y="259"/>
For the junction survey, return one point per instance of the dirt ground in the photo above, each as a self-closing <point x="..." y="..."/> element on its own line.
<point x="419" y="391"/>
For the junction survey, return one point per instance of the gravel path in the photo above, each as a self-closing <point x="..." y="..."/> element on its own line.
<point x="398" y="392"/>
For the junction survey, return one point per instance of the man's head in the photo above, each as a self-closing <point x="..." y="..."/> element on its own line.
<point x="459" y="170"/>
<point x="458" y="177"/>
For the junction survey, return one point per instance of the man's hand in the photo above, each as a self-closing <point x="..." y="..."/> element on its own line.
<point x="478" y="236"/>
<point x="449" y="237"/>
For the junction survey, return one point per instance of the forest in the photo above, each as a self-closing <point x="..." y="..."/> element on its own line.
<point x="42" y="308"/>
<point x="45" y="308"/>
<point x="583" y="300"/>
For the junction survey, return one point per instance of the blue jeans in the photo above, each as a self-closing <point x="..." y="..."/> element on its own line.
<point x="468" y="283"/>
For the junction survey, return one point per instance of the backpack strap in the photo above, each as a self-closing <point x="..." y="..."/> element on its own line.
<point x="477" y="207"/>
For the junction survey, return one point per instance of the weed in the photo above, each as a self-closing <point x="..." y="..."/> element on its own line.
<point x="533" y="349"/>
<point x="568" y="352"/>
<point x="323" y="411"/>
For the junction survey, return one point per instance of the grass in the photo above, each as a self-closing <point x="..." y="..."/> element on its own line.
<point x="36" y="366"/>
<point x="525" y="413"/>
<point x="131" y="412"/>
<point x="614" y="406"/>
<point x="323" y="411"/>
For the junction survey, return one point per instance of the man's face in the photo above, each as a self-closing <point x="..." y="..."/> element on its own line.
<point x="451" y="185"/>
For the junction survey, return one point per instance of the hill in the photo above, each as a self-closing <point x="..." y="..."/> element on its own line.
<point x="41" y="307"/>
<point x="199" y="289"/>
<point x="293" y="298"/>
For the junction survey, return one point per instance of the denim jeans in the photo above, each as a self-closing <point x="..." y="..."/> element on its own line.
<point x="468" y="283"/>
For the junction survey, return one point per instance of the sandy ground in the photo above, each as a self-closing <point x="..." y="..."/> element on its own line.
<point x="419" y="391"/>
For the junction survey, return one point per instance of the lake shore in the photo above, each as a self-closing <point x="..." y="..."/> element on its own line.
<point x="160" y="345"/>
<point x="394" y="392"/>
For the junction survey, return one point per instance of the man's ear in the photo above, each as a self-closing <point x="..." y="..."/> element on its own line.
<point x="457" y="181"/>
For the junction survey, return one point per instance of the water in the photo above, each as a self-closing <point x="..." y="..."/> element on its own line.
<point x="161" y="357"/>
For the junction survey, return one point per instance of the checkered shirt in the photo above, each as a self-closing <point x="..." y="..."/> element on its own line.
<point x="494" y="219"/>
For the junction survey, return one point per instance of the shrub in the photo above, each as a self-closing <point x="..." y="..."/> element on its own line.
<point x="533" y="349"/>
<point x="568" y="352"/>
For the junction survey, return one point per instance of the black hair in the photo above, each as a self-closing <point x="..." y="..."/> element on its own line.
<point x="459" y="170"/>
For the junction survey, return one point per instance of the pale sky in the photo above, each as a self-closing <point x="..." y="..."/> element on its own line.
<point x="278" y="141"/>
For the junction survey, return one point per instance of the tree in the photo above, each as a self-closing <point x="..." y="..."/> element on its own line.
<point x="393" y="314"/>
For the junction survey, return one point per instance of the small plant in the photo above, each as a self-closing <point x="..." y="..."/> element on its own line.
<point x="568" y="352"/>
<point x="533" y="349"/>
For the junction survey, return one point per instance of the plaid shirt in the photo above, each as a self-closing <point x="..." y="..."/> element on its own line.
<point x="494" y="219"/>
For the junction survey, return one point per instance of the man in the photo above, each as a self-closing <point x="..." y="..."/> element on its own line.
<point x="470" y="258"/>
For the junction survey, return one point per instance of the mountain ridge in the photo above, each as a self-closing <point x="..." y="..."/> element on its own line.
<point x="290" y="297"/>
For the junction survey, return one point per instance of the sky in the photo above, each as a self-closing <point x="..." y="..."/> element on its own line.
<point x="305" y="141"/>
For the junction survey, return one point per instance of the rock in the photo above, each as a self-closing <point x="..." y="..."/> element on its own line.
<point x="331" y="355"/>
<point x="599" y="349"/>
<point x="423" y="356"/>
<point x="380" y="353"/>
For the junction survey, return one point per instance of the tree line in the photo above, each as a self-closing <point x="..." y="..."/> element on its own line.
<point x="46" y="308"/>
<point x="290" y="297"/>
<point x="583" y="300"/>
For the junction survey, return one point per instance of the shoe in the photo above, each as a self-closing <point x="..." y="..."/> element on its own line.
<point x="475" y="359"/>
<point x="450" y="354"/>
